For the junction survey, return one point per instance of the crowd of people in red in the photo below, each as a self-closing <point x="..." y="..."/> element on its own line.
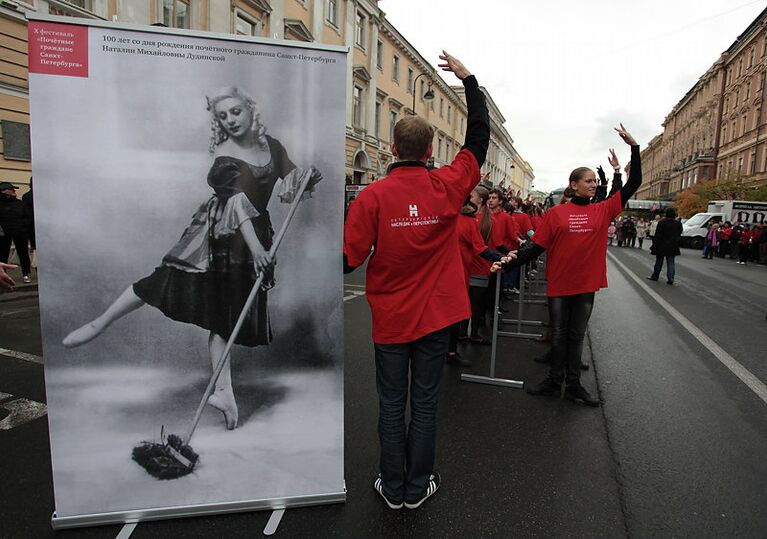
<point x="741" y="241"/>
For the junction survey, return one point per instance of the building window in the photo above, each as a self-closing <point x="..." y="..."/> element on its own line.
<point x="740" y="165"/>
<point x="175" y="13"/>
<point x="740" y="67"/>
<point x="85" y="4"/>
<point x="449" y="114"/>
<point x="395" y="68"/>
<point x="247" y="25"/>
<point x="734" y="133"/>
<point x="357" y="107"/>
<point x="461" y="124"/>
<point x="744" y="124"/>
<point x="753" y="163"/>
<point x="441" y="107"/>
<point x="751" y="57"/>
<point x="359" y="30"/>
<point x="724" y="134"/>
<point x="332" y="14"/>
<point x="392" y="123"/>
<point x="380" y="55"/>
<point x="423" y="88"/>
<point x="439" y="148"/>
<point x="410" y="80"/>
<point x="378" y="119"/>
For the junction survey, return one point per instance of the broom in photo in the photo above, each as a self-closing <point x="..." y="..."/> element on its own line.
<point x="174" y="457"/>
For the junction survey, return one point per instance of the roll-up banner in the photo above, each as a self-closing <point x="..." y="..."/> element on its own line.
<point x="188" y="192"/>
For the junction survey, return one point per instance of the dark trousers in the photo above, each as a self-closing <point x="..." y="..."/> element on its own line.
<point x="569" y="317"/>
<point x="455" y="332"/>
<point x="20" y="241"/>
<point x="670" y="267"/>
<point x="407" y="452"/>
<point x="744" y="251"/>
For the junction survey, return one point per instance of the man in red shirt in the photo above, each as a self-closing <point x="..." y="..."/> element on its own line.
<point x="415" y="286"/>
<point x="505" y="238"/>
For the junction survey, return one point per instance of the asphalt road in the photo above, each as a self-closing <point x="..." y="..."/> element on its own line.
<point x="677" y="450"/>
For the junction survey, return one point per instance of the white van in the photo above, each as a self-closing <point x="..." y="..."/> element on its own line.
<point x="735" y="211"/>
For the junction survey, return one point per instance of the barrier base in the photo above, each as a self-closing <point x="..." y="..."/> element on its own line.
<point x="516" y="384"/>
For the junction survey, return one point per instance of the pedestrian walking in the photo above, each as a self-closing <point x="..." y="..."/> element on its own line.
<point x="744" y="245"/>
<point x="665" y="245"/>
<point x="711" y="243"/>
<point x="654" y="226"/>
<point x="620" y="233"/>
<point x="725" y="233"/>
<point x="574" y="234"/>
<point x="641" y="231"/>
<point x="15" y="223"/>
<point x="415" y="286"/>
<point x="29" y="205"/>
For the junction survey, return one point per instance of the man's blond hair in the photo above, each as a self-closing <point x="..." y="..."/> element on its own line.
<point x="412" y="137"/>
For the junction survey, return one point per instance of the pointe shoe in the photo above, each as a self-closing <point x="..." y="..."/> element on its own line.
<point x="82" y="335"/>
<point x="225" y="403"/>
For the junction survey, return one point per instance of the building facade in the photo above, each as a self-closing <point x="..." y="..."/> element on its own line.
<point x="717" y="130"/>
<point x="386" y="76"/>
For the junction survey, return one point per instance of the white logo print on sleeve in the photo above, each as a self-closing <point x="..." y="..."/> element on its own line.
<point x="413" y="210"/>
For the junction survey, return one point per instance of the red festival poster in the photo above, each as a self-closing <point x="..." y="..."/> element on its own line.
<point x="58" y="49"/>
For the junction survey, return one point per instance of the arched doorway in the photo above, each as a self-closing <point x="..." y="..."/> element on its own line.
<point x="360" y="166"/>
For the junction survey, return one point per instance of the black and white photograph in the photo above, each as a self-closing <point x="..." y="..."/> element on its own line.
<point x="191" y="289"/>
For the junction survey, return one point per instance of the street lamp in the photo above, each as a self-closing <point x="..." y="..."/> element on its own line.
<point x="428" y="95"/>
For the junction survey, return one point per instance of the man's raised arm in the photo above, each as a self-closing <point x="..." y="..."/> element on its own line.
<point x="477" y="138"/>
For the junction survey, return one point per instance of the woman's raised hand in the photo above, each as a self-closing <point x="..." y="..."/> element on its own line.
<point x="626" y="136"/>
<point x="612" y="158"/>
<point x="451" y="63"/>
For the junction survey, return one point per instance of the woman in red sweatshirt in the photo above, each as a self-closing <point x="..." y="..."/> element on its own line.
<point x="574" y="236"/>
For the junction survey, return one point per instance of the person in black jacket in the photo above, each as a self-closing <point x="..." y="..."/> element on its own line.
<point x="665" y="244"/>
<point x="29" y="206"/>
<point x="14" y="221"/>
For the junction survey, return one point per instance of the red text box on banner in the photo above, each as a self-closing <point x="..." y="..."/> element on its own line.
<point x="58" y="49"/>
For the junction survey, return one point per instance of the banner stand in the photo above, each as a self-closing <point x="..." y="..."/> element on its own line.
<point x="492" y="380"/>
<point x="147" y="515"/>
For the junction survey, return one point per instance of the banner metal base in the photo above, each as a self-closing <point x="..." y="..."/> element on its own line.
<point x="182" y="511"/>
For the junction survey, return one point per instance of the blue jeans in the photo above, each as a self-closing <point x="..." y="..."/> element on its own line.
<point x="670" y="267"/>
<point x="407" y="454"/>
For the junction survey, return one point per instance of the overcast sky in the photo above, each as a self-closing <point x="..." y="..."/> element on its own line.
<point x="563" y="73"/>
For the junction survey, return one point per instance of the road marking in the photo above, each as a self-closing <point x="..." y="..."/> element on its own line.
<point x="745" y="376"/>
<point x="353" y="294"/>
<point x="21" y="355"/>
<point x="354" y="285"/>
<point x="127" y="530"/>
<point x="20" y="411"/>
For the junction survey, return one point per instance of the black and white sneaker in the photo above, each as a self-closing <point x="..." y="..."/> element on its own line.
<point x="378" y="485"/>
<point x="431" y="488"/>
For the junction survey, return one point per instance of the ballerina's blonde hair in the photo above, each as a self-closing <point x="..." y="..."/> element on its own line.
<point x="217" y="132"/>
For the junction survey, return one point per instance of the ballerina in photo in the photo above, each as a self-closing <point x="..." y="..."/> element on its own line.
<point x="206" y="277"/>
